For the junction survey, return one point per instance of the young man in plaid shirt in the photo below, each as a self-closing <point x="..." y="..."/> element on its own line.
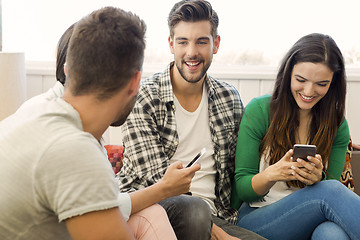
<point x="177" y="113"/>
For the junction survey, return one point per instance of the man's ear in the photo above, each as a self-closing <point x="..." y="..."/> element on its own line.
<point x="134" y="83"/>
<point x="171" y="44"/>
<point x="65" y="69"/>
<point x="216" y="44"/>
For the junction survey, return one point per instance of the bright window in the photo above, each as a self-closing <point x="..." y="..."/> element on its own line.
<point x="256" y="32"/>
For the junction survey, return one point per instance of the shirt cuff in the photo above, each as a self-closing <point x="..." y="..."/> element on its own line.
<point x="125" y="205"/>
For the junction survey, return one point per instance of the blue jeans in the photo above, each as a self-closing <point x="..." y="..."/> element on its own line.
<point x="191" y="218"/>
<point x="326" y="210"/>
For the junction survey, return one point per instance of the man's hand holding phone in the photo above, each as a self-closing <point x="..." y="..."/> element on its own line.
<point x="177" y="179"/>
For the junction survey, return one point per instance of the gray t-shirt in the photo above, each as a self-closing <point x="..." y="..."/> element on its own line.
<point x="51" y="170"/>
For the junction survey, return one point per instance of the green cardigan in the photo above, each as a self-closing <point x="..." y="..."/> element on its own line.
<point x="253" y="127"/>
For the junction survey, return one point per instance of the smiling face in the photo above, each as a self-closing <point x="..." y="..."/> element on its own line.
<point x="309" y="83"/>
<point x="193" y="47"/>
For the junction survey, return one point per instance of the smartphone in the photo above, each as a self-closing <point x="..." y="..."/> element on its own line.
<point x="302" y="151"/>
<point x="197" y="157"/>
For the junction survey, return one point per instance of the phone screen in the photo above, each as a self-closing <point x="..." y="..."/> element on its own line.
<point x="197" y="157"/>
<point x="302" y="151"/>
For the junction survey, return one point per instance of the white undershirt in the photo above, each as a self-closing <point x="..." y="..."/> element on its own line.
<point x="279" y="190"/>
<point x="194" y="134"/>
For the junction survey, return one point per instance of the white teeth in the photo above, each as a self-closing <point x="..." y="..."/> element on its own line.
<point x="191" y="63"/>
<point x="306" y="98"/>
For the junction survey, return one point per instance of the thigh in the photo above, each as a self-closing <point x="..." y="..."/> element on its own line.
<point x="189" y="216"/>
<point x="284" y="219"/>
<point x="234" y="230"/>
<point x="302" y="211"/>
<point x="151" y="223"/>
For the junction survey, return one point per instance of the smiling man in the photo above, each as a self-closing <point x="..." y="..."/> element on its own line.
<point x="177" y="113"/>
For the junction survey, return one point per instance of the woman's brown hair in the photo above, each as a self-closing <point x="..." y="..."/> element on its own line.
<point x="327" y="114"/>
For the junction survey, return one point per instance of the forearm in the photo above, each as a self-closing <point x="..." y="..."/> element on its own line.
<point x="261" y="183"/>
<point x="176" y="180"/>
<point x="148" y="196"/>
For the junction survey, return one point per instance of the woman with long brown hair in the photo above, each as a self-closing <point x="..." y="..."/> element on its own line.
<point x="287" y="198"/>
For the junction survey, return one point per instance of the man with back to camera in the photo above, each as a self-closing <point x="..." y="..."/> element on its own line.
<point x="56" y="180"/>
<point x="177" y="113"/>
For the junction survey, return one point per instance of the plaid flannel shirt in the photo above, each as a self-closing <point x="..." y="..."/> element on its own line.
<point x="150" y="137"/>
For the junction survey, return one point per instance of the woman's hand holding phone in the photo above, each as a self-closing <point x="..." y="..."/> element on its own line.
<point x="309" y="167"/>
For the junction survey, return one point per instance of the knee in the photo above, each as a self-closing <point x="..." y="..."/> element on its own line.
<point x="190" y="216"/>
<point x="329" y="230"/>
<point x="194" y="209"/>
<point x="332" y="186"/>
<point x="198" y="209"/>
<point x="184" y="206"/>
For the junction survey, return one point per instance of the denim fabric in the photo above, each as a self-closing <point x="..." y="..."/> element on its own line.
<point x="300" y="213"/>
<point x="236" y="231"/>
<point x="189" y="216"/>
<point x="329" y="231"/>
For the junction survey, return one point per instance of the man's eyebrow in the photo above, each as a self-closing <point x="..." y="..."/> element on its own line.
<point x="204" y="38"/>
<point x="180" y="38"/>
<point x="199" y="39"/>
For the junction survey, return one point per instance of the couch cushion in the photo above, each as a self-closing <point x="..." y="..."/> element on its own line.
<point x="115" y="155"/>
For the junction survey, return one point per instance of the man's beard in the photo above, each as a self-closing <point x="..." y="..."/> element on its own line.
<point x="203" y="72"/>
<point x="125" y="113"/>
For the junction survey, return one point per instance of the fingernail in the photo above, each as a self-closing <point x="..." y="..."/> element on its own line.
<point x="313" y="164"/>
<point x="308" y="157"/>
<point x="293" y="173"/>
<point x="298" y="160"/>
<point x="293" y="167"/>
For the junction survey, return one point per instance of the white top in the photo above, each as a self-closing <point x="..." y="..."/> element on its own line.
<point x="51" y="170"/>
<point x="56" y="91"/>
<point x="276" y="192"/>
<point x="194" y="134"/>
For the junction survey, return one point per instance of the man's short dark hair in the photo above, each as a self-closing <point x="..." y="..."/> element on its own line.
<point x="105" y="50"/>
<point x="193" y="11"/>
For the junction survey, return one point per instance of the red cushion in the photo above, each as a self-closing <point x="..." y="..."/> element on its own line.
<point x="115" y="155"/>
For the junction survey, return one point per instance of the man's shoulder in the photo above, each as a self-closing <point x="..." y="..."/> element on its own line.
<point x="151" y="83"/>
<point x="157" y="86"/>
<point x="222" y="90"/>
<point x="221" y="86"/>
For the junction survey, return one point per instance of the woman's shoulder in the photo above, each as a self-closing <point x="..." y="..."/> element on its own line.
<point x="343" y="129"/>
<point x="262" y="102"/>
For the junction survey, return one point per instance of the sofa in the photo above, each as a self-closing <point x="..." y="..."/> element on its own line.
<point x="115" y="156"/>
<point x="355" y="166"/>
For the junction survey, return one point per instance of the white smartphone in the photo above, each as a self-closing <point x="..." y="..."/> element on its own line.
<point x="197" y="157"/>
<point x="302" y="151"/>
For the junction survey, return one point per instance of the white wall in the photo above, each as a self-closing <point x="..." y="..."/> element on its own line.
<point x="251" y="81"/>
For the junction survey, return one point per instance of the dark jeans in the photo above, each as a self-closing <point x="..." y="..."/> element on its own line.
<point x="234" y="230"/>
<point x="191" y="218"/>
